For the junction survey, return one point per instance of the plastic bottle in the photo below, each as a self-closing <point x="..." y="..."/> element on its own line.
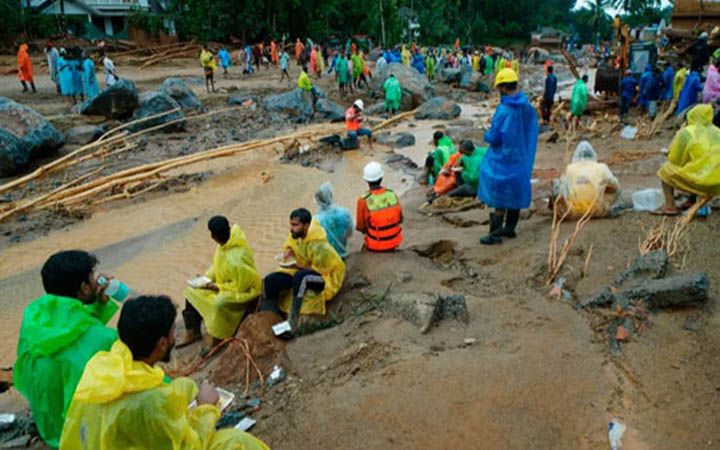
<point x="616" y="429"/>
<point x="648" y="199"/>
<point x="116" y="288"/>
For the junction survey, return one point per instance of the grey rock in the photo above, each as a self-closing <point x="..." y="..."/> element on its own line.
<point x="652" y="265"/>
<point x="462" y="123"/>
<point x="83" y="134"/>
<point x="24" y="134"/>
<point x="466" y="75"/>
<point x="449" y="75"/>
<point x="376" y="109"/>
<point x="181" y="93"/>
<point x="156" y="102"/>
<point x="424" y="309"/>
<point x="415" y="87"/>
<point x="299" y="103"/>
<point x="115" y="102"/>
<point x="404" y="140"/>
<point x="384" y="138"/>
<point x="681" y="290"/>
<point x="438" y="108"/>
<point x="459" y="134"/>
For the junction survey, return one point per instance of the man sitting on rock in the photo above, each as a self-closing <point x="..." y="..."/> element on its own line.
<point x="353" y="119"/>
<point x="436" y="159"/>
<point x="60" y="332"/>
<point x="311" y="272"/>
<point x="379" y="213"/>
<point x="234" y="283"/>
<point x="585" y="184"/>
<point x="124" y="401"/>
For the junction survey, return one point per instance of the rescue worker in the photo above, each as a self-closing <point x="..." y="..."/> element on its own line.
<point x="689" y="93"/>
<point x="628" y="90"/>
<point x="306" y="85"/>
<point x="467" y="170"/>
<point x="436" y="159"/>
<point x="548" y="95"/>
<point x="125" y="401"/>
<point x="430" y="66"/>
<point x="585" y="183"/>
<point x="313" y="278"/>
<point x="679" y="82"/>
<point x="579" y="99"/>
<point x="668" y="78"/>
<point x="25" y="70"/>
<point x="60" y="332"/>
<point x="393" y="93"/>
<point x="353" y="118"/>
<point x="693" y="163"/>
<point x="234" y="284"/>
<point x="506" y="169"/>
<point x="207" y="60"/>
<point x="379" y="214"/>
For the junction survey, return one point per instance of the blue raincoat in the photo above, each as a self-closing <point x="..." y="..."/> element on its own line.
<point x="645" y="82"/>
<point x="668" y="78"/>
<point x="336" y="220"/>
<point x="689" y="94"/>
<point x="90" y="79"/>
<point x="77" y="76"/>
<point x="507" y="167"/>
<point x="628" y="88"/>
<point x="224" y="56"/>
<point x="65" y="75"/>
<point x="418" y="63"/>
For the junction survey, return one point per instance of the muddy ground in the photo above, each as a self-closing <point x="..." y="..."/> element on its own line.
<point x="526" y="371"/>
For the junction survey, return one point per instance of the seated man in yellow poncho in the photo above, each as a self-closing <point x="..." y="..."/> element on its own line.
<point x="124" y="401"/>
<point x="586" y="183"/>
<point x="315" y="277"/>
<point x="693" y="163"/>
<point x="234" y="284"/>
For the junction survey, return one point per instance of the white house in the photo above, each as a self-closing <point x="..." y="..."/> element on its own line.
<point x="107" y="15"/>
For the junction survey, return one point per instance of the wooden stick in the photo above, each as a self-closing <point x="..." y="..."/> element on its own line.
<point x="699" y="203"/>
<point x="29" y="204"/>
<point x="135" y="122"/>
<point x="587" y="261"/>
<point x="394" y="119"/>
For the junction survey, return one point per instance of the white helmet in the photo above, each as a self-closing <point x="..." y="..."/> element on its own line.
<point x="359" y="103"/>
<point x="373" y="172"/>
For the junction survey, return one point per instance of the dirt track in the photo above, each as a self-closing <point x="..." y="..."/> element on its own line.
<point x="537" y="376"/>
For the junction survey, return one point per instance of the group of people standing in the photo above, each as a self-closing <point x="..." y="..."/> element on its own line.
<point x="72" y="72"/>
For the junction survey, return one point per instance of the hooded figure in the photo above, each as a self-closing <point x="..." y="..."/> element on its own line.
<point x="336" y="221"/>
<point x="234" y="273"/>
<point x="711" y="91"/>
<point x="645" y="82"/>
<point x="579" y="99"/>
<point x="679" y="81"/>
<point x="393" y="93"/>
<point x="25" y="70"/>
<point x="430" y="66"/>
<point x="405" y="56"/>
<point x="586" y="183"/>
<point x="90" y="82"/>
<point x="689" y="94"/>
<point x="118" y="394"/>
<point x="668" y="79"/>
<point x="693" y="163"/>
<point x="57" y="337"/>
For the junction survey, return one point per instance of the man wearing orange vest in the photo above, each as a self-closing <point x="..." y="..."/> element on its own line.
<point x="353" y="117"/>
<point x="379" y="214"/>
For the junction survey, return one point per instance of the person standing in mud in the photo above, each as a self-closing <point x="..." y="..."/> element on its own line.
<point x="284" y="58"/>
<point x="506" y="169"/>
<point x="209" y="66"/>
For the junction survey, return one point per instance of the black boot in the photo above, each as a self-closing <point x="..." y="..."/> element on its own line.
<point x="294" y="314"/>
<point x="510" y="223"/>
<point x="496" y="228"/>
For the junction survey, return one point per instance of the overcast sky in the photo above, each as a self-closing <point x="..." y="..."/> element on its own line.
<point x="611" y="11"/>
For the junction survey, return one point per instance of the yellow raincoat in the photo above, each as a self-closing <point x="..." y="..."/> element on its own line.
<point x="679" y="81"/>
<point x="405" y="56"/>
<point x="320" y="61"/>
<point x="234" y="272"/>
<point x="316" y="252"/>
<point x="693" y="163"/>
<point x="124" y="404"/>
<point x="207" y="60"/>
<point x="516" y="66"/>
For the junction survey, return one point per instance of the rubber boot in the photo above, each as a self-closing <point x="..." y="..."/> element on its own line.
<point x="511" y="221"/>
<point x="496" y="228"/>
<point x="294" y="314"/>
<point x="270" y="305"/>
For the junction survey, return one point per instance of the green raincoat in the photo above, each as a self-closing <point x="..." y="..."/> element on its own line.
<point x="442" y="154"/>
<point x="393" y="93"/>
<point x="430" y="66"/>
<point x="579" y="99"/>
<point x="471" y="166"/>
<point x="358" y="65"/>
<point x="58" y="336"/>
<point x="488" y="65"/>
<point x="341" y="69"/>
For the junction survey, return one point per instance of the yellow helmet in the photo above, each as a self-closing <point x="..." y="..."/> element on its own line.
<point x="506" y="76"/>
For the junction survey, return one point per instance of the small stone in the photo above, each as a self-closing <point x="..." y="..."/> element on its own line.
<point x="469" y="341"/>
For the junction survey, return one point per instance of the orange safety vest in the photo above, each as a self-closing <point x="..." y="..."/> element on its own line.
<point x="383" y="226"/>
<point x="351" y="123"/>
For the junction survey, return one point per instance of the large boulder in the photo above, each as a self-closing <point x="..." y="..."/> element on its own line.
<point x="415" y="87"/>
<point x="438" y="108"/>
<point x="466" y="76"/>
<point x="24" y="134"/>
<point x="115" y="102"/>
<point x="157" y="102"/>
<point x="299" y="103"/>
<point x="178" y="90"/>
<point x="449" y="75"/>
